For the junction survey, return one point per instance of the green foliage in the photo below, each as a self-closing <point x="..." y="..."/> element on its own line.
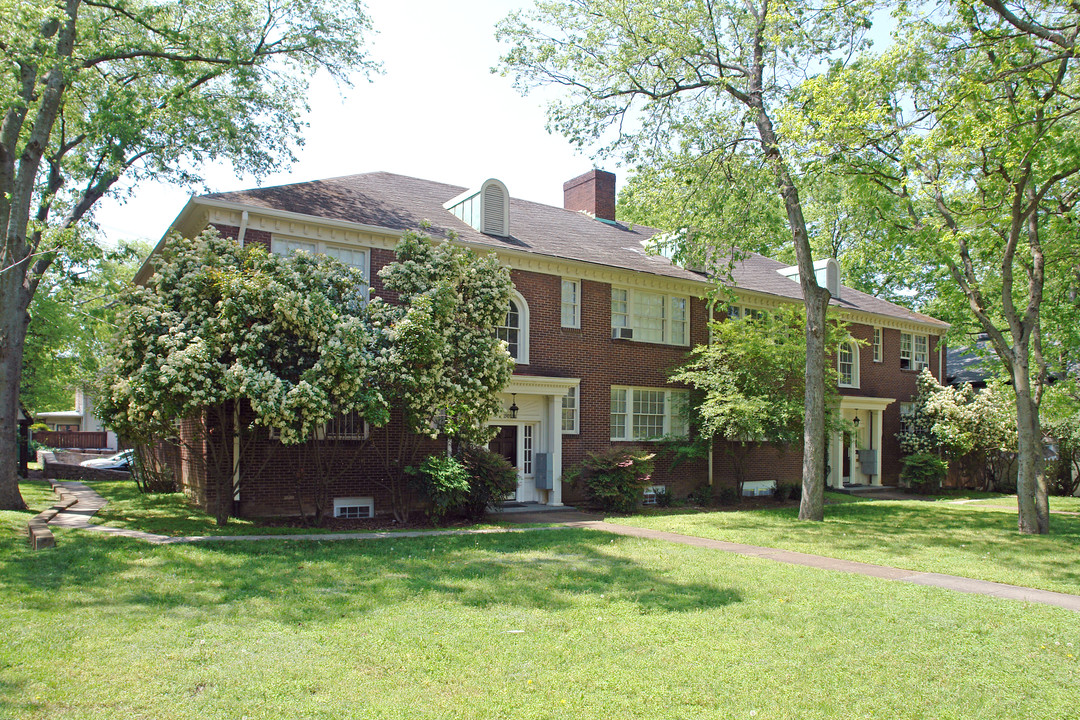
<point x="614" y="479"/>
<point x="924" y="472"/>
<point x="72" y="320"/>
<point x="664" y="497"/>
<point x="701" y="495"/>
<point x="491" y="478"/>
<point x="218" y="323"/>
<point x="444" y="483"/>
<point x="753" y="377"/>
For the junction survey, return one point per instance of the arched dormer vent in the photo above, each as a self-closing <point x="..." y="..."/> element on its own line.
<point x="826" y="271"/>
<point x="486" y="208"/>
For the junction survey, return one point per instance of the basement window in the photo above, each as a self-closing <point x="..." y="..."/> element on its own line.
<point x="354" y="508"/>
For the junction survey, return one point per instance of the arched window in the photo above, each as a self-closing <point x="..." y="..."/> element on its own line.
<point x="847" y="364"/>
<point x="515" y="329"/>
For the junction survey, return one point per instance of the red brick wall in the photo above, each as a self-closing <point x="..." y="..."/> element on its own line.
<point x="589" y="353"/>
<point x="887" y="379"/>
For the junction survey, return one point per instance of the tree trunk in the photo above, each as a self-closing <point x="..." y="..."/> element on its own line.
<point x="812" y="503"/>
<point x="1031" y="492"/>
<point x="13" y="324"/>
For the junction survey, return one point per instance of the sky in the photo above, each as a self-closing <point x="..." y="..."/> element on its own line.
<point x="437" y="112"/>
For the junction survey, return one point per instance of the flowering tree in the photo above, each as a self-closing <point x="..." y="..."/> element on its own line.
<point x="437" y="359"/>
<point x="219" y="326"/>
<point x="962" y="424"/>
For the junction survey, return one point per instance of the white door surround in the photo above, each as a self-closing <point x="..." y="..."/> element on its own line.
<point x="866" y="437"/>
<point x="539" y="422"/>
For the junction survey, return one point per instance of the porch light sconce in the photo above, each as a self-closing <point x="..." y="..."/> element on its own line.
<point x="856" y="421"/>
<point x="513" y="405"/>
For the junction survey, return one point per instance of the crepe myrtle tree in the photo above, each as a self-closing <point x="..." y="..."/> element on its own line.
<point x="220" y="329"/>
<point x="97" y="96"/>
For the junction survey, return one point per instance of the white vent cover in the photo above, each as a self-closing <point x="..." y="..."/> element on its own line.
<point x="496" y="210"/>
<point x="827" y="273"/>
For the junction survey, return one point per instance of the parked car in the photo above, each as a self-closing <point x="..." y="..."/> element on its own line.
<point x="119" y="461"/>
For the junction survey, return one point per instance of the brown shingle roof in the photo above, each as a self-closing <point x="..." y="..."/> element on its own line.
<point x="399" y="202"/>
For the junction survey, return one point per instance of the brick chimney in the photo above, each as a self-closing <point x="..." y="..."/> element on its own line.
<point x="593" y="193"/>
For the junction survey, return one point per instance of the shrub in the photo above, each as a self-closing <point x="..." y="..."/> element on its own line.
<point x="701" y="495"/>
<point x="615" y="479"/>
<point x="924" y="472"/>
<point x="491" y="478"/>
<point x="444" y="482"/>
<point x="150" y="473"/>
<point x="664" y="497"/>
<point x="727" y="496"/>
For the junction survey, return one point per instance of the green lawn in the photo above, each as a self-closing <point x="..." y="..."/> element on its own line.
<point x="546" y="624"/>
<point x="975" y="539"/>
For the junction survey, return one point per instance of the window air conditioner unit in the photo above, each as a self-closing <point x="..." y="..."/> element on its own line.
<point x="622" y="333"/>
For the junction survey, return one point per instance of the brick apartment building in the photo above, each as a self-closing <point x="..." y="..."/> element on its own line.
<point x="596" y="324"/>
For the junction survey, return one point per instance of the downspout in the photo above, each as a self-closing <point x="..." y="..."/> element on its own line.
<point x="243" y="228"/>
<point x="940" y="364"/>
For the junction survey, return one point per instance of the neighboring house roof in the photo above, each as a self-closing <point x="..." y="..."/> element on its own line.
<point x="399" y="203"/>
<point x="974" y="364"/>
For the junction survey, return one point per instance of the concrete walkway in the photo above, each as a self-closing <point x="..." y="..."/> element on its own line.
<point x="88" y="502"/>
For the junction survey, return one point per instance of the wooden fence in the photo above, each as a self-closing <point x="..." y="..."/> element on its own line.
<point x="70" y="440"/>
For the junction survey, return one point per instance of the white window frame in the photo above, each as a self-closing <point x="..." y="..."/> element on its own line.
<point x="571" y="403"/>
<point x="573" y="304"/>
<point x="907" y="412"/>
<point x="629" y="319"/>
<point x="671" y="398"/>
<point x="853" y="382"/>
<point x="343" y="505"/>
<point x="286" y="245"/>
<point x="523" y="328"/>
<point x="879" y="337"/>
<point x="910" y="354"/>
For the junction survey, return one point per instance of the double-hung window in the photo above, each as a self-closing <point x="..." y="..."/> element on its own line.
<point x="914" y="351"/>
<point x="571" y="303"/>
<point x="354" y="257"/>
<point x="848" y="364"/>
<point x="647" y="413"/>
<point x="878" y="357"/>
<point x="570" y="412"/>
<point x="650" y="316"/>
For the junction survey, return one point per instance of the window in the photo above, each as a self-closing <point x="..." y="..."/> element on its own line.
<point x="526" y="449"/>
<point x="651" y="492"/>
<point x="620" y="313"/>
<point x="571" y="303"/>
<point x="647" y="413"/>
<point x="355" y="507"/>
<point x="907" y="411"/>
<point x="649" y="317"/>
<point x="347" y="427"/>
<point x="847" y="364"/>
<point x="570" y="412"/>
<point x="736" y="312"/>
<point x="352" y="256"/>
<point x="515" y="329"/>
<point x="913" y="351"/>
<point x="877" y="345"/>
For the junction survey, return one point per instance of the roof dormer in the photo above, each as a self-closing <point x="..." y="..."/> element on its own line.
<point x="486" y="208"/>
<point x="827" y="273"/>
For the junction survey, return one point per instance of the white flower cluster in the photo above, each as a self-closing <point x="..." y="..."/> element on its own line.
<point x="295" y="339"/>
